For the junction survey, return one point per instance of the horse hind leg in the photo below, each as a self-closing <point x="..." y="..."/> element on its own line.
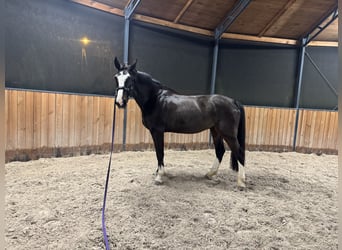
<point x="219" y="150"/>
<point x="235" y="158"/>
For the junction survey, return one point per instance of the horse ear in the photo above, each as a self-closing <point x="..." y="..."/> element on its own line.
<point x="133" y="66"/>
<point x="117" y="64"/>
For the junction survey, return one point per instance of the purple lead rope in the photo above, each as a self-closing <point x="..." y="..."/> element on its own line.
<point x="104" y="231"/>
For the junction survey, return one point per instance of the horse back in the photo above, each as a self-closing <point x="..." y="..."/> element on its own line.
<point x="189" y="114"/>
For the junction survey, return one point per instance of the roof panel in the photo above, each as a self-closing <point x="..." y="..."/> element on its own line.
<point x="300" y="18"/>
<point x="254" y="19"/>
<point x="167" y="10"/>
<point x="329" y="34"/>
<point x="207" y="14"/>
<point x="262" y="20"/>
<point x="120" y="4"/>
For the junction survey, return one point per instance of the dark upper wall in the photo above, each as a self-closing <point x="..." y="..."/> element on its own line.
<point x="179" y="60"/>
<point x="43" y="52"/>
<point x="257" y="74"/>
<point x="315" y="91"/>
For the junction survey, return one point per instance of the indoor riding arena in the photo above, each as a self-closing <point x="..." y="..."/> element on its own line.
<point x="69" y="103"/>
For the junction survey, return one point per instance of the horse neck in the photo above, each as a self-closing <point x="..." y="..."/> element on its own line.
<point x="145" y="90"/>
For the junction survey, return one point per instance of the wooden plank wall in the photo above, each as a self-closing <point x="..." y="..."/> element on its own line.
<point x="318" y="131"/>
<point x="41" y="124"/>
<point x="50" y="124"/>
<point x="269" y="129"/>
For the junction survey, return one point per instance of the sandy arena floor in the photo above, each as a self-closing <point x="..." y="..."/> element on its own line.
<point x="290" y="202"/>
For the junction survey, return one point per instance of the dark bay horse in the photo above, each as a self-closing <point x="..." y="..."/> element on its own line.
<point x="164" y="110"/>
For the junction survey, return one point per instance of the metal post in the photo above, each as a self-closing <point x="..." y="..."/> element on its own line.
<point x="213" y="74"/>
<point x="129" y="10"/>
<point x="126" y="41"/>
<point x="214" y="68"/>
<point x="228" y="20"/>
<point x="299" y="89"/>
<point x="125" y="60"/>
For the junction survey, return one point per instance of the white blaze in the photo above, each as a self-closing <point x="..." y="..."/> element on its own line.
<point x="121" y="77"/>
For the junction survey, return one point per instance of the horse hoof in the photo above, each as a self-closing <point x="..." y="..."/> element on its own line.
<point x="209" y="177"/>
<point x="241" y="186"/>
<point x="158" y="180"/>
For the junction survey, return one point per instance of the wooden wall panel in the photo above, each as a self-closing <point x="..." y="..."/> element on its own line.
<point x="88" y="106"/>
<point x="59" y="120"/>
<point x="53" y="124"/>
<point x="108" y="119"/>
<point x="71" y="120"/>
<point x="118" y="124"/>
<point x="269" y="128"/>
<point x="84" y="111"/>
<point x="6" y="118"/>
<point x="21" y="101"/>
<point x="51" y="120"/>
<point x="318" y="131"/>
<point x="12" y="131"/>
<point x="94" y="121"/>
<point x="37" y="119"/>
<point x="44" y="122"/>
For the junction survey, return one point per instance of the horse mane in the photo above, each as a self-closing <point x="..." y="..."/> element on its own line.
<point x="148" y="78"/>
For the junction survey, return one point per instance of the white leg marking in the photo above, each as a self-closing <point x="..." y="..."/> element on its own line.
<point x="241" y="181"/>
<point x="160" y="173"/>
<point x="214" y="169"/>
<point x="158" y="179"/>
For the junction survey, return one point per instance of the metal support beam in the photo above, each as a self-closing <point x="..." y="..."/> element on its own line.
<point x="312" y="35"/>
<point x="214" y="68"/>
<point x="213" y="73"/>
<point x="129" y="10"/>
<point x="220" y="29"/>
<point x="299" y="89"/>
<point x="332" y="88"/>
<point x="230" y="17"/>
<point x="126" y="41"/>
<point x="125" y="61"/>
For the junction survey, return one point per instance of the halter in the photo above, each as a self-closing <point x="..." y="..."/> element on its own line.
<point x="124" y="88"/>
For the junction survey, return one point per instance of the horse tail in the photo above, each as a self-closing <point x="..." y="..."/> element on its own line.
<point x="241" y="135"/>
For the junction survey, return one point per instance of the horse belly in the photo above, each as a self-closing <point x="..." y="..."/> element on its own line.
<point x="189" y="123"/>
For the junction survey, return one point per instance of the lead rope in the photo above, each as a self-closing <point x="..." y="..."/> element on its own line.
<point x="104" y="231"/>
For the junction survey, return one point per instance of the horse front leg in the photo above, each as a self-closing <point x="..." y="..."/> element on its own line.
<point x="158" y="140"/>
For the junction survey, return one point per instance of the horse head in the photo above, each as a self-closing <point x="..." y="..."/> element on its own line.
<point x="124" y="81"/>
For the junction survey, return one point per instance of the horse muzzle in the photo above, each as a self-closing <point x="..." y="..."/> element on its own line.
<point x="121" y="97"/>
<point x="122" y="104"/>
